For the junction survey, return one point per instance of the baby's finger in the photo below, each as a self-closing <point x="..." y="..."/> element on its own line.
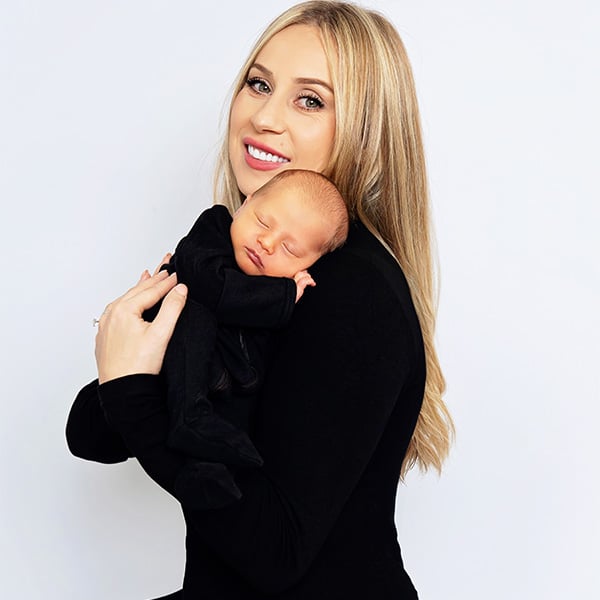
<point x="300" y="275"/>
<point x="306" y="279"/>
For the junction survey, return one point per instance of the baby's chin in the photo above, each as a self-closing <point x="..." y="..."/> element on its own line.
<point x="266" y="272"/>
<point x="247" y="267"/>
<point x="276" y="274"/>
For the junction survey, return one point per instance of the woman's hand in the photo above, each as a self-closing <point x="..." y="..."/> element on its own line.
<point x="125" y="343"/>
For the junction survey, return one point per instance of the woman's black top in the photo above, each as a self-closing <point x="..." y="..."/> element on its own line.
<point x="333" y="422"/>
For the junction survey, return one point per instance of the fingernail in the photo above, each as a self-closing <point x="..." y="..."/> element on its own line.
<point x="180" y="288"/>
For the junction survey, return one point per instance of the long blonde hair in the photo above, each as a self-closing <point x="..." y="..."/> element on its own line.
<point x="378" y="164"/>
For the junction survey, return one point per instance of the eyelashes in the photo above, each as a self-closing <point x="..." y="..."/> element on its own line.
<point x="307" y="101"/>
<point x="255" y="83"/>
<point x="284" y="245"/>
<point x="261" y="222"/>
<point x="311" y="101"/>
<point x="289" y="250"/>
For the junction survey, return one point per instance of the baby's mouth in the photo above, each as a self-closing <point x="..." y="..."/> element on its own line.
<point x="254" y="257"/>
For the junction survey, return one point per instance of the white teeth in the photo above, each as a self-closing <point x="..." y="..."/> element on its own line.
<point x="266" y="156"/>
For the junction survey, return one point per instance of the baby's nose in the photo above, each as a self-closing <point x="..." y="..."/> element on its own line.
<point x="266" y="243"/>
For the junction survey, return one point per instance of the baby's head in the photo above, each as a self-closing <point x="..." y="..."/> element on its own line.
<point x="288" y="223"/>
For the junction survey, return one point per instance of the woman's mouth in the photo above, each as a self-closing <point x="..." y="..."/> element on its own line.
<point x="265" y="156"/>
<point x="263" y="159"/>
<point x="254" y="257"/>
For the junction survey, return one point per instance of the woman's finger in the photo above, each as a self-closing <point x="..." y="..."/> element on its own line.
<point x="149" y="292"/>
<point x="146" y="280"/>
<point x="164" y="261"/>
<point x="169" y="312"/>
<point x="144" y="284"/>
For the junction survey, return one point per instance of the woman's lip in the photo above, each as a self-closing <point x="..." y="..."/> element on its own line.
<point x="254" y="257"/>
<point x="247" y="141"/>
<point x="261" y="165"/>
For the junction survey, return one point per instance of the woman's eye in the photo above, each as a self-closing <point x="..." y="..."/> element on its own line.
<point x="310" y="102"/>
<point x="258" y="85"/>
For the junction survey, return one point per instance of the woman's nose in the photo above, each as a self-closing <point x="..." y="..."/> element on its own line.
<point x="269" y="115"/>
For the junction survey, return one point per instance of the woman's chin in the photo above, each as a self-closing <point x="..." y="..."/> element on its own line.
<point x="249" y="179"/>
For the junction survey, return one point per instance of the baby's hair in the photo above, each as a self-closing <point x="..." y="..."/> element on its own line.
<point x="319" y="190"/>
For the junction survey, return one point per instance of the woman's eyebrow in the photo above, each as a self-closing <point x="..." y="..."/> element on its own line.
<point x="303" y="80"/>
<point x="312" y="81"/>
<point x="261" y="68"/>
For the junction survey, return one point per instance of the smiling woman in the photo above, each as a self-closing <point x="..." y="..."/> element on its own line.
<point x="352" y="397"/>
<point x="284" y="115"/>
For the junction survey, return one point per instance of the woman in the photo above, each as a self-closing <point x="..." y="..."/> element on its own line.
<point x="352" y="399"/>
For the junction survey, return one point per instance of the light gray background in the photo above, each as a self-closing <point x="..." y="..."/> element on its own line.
<point x="109" y="120"/>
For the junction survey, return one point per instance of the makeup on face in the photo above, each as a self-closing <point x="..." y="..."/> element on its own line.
<point x="284" y="116"/>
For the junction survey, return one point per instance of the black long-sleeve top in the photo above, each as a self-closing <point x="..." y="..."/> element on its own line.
<point x="334" y="419"/>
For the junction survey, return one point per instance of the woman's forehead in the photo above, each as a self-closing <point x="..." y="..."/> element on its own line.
<point x="297" y="50"/>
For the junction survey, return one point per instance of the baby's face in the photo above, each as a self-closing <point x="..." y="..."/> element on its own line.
<point x="278" y="234"/>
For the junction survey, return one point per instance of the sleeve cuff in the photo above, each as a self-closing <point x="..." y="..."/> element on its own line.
<point x="134" y="406"/>
<point x="115" y="389"/>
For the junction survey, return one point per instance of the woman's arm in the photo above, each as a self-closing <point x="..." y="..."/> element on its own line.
<point x="87" y="432"/>
<point x="338" y="372"/>
<point x="125" y="344"/>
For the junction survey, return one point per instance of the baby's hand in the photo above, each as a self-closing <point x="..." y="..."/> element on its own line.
<point x="302" y="279"/>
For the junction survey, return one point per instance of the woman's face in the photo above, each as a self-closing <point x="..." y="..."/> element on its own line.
<point x="284" y="116"/>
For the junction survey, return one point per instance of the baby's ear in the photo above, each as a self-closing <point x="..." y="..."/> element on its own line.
<point x="244" y="203"/>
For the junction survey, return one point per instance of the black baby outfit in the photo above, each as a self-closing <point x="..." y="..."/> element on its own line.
<point x="215" y="361"/>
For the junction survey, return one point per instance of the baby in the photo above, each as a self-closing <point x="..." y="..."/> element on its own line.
<point x="244" y="275"/>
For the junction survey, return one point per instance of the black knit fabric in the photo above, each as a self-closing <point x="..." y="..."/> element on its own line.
<point x="333" y="422"/>
<point x="215" y="360"/>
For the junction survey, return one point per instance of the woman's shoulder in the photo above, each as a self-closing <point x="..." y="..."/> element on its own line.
<point x="363" y="266"/>
<point x="362" y="282"/>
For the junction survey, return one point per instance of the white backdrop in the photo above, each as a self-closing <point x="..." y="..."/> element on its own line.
<point x="109" y="119"/>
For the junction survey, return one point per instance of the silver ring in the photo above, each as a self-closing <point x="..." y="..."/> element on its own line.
<point x="95" y="322"/>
